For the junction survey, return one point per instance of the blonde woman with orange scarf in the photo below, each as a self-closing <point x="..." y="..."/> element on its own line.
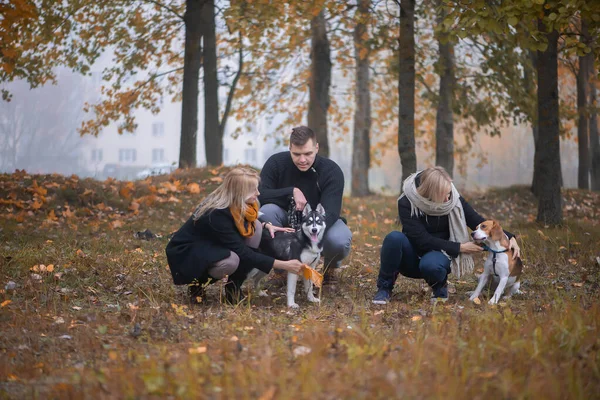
<point x="221" y="237"/>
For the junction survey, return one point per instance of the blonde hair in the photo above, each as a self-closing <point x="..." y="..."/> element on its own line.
<point x="435" y="184"/>
<point x="238" y="185"/>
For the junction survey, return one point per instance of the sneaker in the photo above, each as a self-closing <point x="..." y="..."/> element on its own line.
<point x="382" y="296"/>
<point x="440" y="294"/>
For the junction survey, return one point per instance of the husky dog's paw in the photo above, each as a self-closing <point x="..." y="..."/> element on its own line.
<point x="473" y="297"/>
<point x="263" y="293"/>
<point x="493" y="301"/>
<point x="294" y="306"/>
<point x="314" y="299"/>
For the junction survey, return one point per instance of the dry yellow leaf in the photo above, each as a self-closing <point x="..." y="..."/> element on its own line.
<point x="80" y="253"/>
<point x="416" y="318"/>
<point x="476" y="300"/>
<point x="312" y="275"/>
<point x="5" y="303"/>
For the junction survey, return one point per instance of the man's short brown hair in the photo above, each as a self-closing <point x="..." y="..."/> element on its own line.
<point x="301" y="134"/>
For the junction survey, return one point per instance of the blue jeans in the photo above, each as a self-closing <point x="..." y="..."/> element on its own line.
<point x="399" y="257"/>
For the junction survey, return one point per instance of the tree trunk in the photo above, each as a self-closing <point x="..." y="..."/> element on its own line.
<point x="320" y="80"/>
<point x="583" y="79"/>
<point x="361" y="151"/>
<point x="191" y="76"/>
<point x="530" y="82"/>
<point x="548" y="143"/>
<point x="406" y="89"/>
<point x="213" y="138"/>
<point x="444" y="129"/>
<point x="594" y="139"/>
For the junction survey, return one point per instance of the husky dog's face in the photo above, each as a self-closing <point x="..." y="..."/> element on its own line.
<point x="313" y="223"/>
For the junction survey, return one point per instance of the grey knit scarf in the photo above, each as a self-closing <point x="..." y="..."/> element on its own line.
<point x="463" y="264"/>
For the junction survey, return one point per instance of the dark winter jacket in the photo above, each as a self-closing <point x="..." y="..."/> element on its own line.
<point x="427" y="233"/>
<point x="195" y="246"/>
<point x="322" y="183"/>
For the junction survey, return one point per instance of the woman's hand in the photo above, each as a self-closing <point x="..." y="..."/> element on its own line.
<point x="293" y="266"/>
<point x="514" y="247"/>
<point x="470" y="248"/>
<point x="272" y="229"/>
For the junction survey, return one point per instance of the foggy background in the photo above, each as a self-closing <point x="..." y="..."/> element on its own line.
<point x="38" y="133"/>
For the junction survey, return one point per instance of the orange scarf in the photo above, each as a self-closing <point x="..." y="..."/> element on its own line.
<point x="245" y="225"/>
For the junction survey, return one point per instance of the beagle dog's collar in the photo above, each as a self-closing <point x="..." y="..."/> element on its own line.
<point x="494" y="252"/>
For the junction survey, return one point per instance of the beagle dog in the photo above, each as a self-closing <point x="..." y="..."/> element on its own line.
<point x="499" y="265"/>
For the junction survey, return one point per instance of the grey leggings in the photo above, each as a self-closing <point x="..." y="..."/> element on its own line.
<point x="229" y="265"/>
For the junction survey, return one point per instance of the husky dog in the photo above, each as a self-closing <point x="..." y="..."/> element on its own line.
<point x="305" y="245"/>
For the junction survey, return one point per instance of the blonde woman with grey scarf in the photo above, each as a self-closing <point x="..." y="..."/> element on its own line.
<point x="434" y="241"/>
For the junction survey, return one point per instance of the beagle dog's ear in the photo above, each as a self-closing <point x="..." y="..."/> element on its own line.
<point x="496" y="232"/>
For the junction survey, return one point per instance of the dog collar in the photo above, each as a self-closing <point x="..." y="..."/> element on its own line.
<point x="488" y="248"/>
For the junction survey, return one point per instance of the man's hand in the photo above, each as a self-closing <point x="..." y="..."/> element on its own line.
<point x="515" y="247"/>
<point x="299" y="199"/>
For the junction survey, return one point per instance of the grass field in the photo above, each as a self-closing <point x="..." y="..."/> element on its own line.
<point x="89" y="311"/>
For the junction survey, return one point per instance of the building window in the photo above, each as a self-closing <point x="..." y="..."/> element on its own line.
<point x="225" y="156"/>
<point x="158" y="129"/>
<point x="158" y="155"/>
<point x="127" y="155"/>
<point x="250" y="156"/>
<point x="97" y="155"/>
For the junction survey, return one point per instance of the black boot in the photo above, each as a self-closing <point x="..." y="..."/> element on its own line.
<point x="233" y="292"/>
<point x="196" y="292"/>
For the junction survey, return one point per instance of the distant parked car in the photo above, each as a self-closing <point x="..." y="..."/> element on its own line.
<point x="156" y="170"/>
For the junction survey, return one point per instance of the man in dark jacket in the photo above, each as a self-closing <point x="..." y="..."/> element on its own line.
<point x="292" y="179"/>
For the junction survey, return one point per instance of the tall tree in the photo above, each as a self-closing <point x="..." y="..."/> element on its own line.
<point x="406" y="89"/>
<point x="191" y="76"/>
<point x="583" y="84"/>
<point x="444" y="129"/>
<point x="548" y="143"/>
<point x="320" y="81"/>
<point x="361" y="150"/>
<point x="594" y="137"/>
<point x="212" y="133"/>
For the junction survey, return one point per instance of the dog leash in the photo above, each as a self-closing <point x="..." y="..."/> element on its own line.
<point x="488" y="248"/>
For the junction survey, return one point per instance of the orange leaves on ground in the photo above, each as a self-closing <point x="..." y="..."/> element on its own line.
<point x="173" y="199"/>
<point x="52" y="216"/>
<point x="38" y="189"/>
<point x="80" y="253"/>
<point x="126" y="190"/>
<point x="42" y="268"/>
<point x="134" y="207"/>
<point x="5" y="303"/>
<point x="193" y="188"/>
<point x="166" y="187"/>
<point x="116" y="224"/>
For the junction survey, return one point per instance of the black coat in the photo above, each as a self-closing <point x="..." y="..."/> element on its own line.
<point x="195" y="246"/>
<point x="427" y="233"/>
<point x="322" y="183"/>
